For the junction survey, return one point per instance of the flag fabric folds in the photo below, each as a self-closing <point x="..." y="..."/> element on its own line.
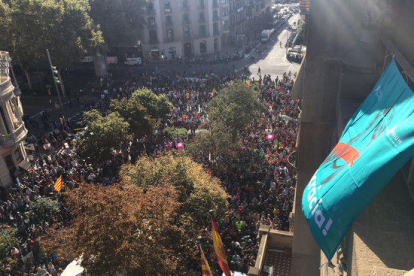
<point x="58" y="184"/>
<point x="219" y="249"/>
<point x="377" y="141"/>
<point x="205" y="268"/>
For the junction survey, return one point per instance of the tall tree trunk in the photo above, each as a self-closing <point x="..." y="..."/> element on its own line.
<point x="26" y="73"/>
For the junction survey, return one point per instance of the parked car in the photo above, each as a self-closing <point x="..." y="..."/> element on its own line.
<point x="112" y="60"/>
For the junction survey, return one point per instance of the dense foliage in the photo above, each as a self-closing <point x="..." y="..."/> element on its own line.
<point x="102" y="135"/>
<point x="198" y="191"/>
<point x="235" y="106"/>
<point x="142" y="111"/>
<point x="120" y="228"/>
<point x="29" y="27"/>
<point x="44" y="209"/>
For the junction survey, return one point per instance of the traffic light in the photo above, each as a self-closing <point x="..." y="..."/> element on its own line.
<point x="55" y="75"/>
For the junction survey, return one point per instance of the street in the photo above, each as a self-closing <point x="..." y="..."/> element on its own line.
<point x="271" y="60"/>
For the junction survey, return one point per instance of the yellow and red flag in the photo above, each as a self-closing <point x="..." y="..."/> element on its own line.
<point x="219" y="248"/>
<point x="248" y="83"/>
<point x="205" y="268"/>
<point x="58" y="184"/>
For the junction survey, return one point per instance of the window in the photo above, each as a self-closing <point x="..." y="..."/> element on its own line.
<point x="153" y="36"/>
<point x="201" y="4"/>
<point x="151" y="22"/>
<point x="186" y="19"/>
<point x="4" y="120"/>
<point x="215" y="28"/>
<point x="203" y="30"/>
<point x="168" y="20"/>
<point x="225" y="12"/>
<point x="150" y="8"/>
<point x="215" y="15"/>
<point x="224" y="1"/>
<point x="184" y="3"/>
<point x="201" y="17"/>
<point x="170" y="34"/>
<point x="186" y="32"/>
<point x="18" y="156"/>
<point x="203" y="47"/>
<point x="215" y="3"/>
<point x="225" y="25"/>
<point x="167" y="7"/>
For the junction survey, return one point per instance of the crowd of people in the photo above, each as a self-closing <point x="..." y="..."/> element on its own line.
<point x="260" y="181"/>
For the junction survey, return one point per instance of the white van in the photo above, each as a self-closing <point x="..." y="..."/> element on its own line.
<point x="133" y="61"/>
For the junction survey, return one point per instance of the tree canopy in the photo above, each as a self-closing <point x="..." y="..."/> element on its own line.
<point x="102" y="135"/>
<point x="235" y="106"/>
<point x="198" y="191"/>
<point x="121" y="21"/>
<point x="142" y="110"/>
<point x="29" y="27"/>
<point x="44" y="209"/>
<point x="120" y="229"/>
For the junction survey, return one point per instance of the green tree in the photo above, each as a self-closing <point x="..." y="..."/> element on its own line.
<point x="121" y="21"/>
<point x="8" y="240"/>
<point x="199" y="192"/>
<point x="29" y="27"/>
<point x="44" y="209"/>
<point x="142" y="110"/>
<point x="235" y="106"/>
<point x="102" y="135"/>
<point x="157" y="106"/>
<point x="215" y="143"/>
<point x="140" y="123"/>
<point x="120" y="229"/>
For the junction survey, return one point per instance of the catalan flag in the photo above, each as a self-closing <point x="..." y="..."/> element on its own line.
<point x="219" y="249"/>
<point x="205" y="268"/>
<point x="58" y="184"/>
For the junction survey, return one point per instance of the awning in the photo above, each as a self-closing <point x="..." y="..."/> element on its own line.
<point x="25" y="165"/>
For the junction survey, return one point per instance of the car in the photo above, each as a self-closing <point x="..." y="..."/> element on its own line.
<point x="133" y="61"/>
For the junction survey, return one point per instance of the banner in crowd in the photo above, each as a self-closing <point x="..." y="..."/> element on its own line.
<point x="377" y="141"/>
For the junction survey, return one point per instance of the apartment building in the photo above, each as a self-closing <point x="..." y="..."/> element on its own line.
<point x="12" y="129"/>
<point x="245" y="19"/>
<point x="184" y="28"/>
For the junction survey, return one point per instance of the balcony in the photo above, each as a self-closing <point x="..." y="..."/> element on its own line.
<point x="216" y="32"/>
<point x="201" y="19"/>
<point x="152" y="26"/>
<point x="169" y="23"/>
<point x="186" y="22"/>
<point x="10" y="139"/>
<point x="170" y="39"/>
<point x="216" y="17"/>
<point x="150" y="12"/>
<point x="187" y="36"/>
<point x="153" y="40"/>
<point x="185" y="9"/>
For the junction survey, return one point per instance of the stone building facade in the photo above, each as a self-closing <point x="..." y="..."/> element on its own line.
<point x="184" y="28"/>
<point x="12" y="129"/>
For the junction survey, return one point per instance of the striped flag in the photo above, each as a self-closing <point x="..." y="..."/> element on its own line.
<point x="205" y="268"/>
<point x="58" y="184"/>
<point x="219" y="248"/>
<point x="248" y="83"/>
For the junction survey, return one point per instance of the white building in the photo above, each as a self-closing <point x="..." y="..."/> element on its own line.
<point x="12" y="130"/>
<point x="184" y="28"/>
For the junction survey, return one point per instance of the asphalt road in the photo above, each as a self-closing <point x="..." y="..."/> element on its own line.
<point x="272" y="60"/>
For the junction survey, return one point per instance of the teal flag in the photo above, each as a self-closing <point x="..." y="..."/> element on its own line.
<point x="376" y="143"/>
